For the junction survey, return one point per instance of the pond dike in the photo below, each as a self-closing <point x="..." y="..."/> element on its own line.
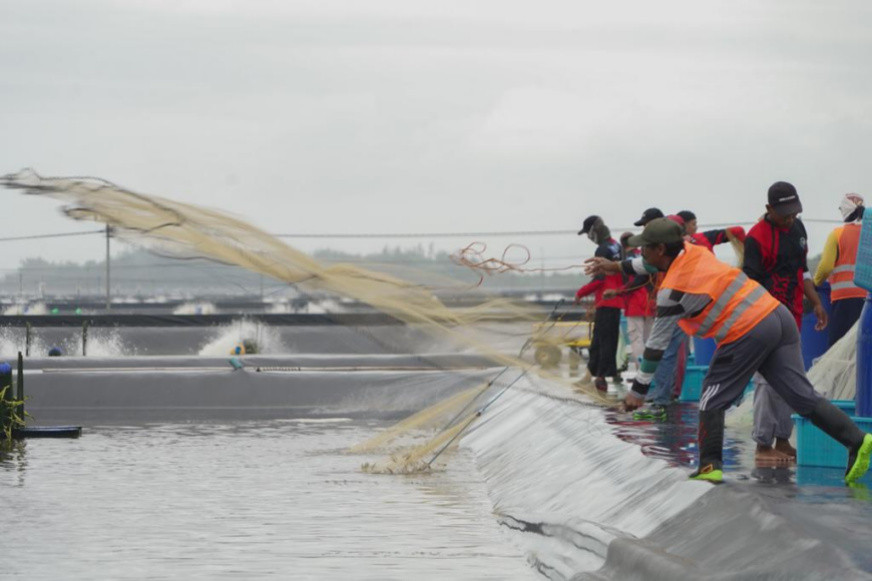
<point x="93" y="390"/>
<point x="585" y="504"/>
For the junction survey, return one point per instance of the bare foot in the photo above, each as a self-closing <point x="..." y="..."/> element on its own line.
<point x="783" y="446"/>
<point x="769" y="456"/>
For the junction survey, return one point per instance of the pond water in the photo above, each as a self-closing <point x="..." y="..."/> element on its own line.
<point x="277" y="499"/>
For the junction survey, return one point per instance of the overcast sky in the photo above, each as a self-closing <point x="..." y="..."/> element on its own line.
<point x="396" y="116"/>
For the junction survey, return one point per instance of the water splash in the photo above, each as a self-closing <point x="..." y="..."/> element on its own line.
<point x="324" y="307"/>
<point x="195" y="308"/>
<point x="36" y="308"/>
<point x="226" y="338"/>
<point x="104" y="343"/>
<point x="101" y="343"/>
<point x="439" y="412"/>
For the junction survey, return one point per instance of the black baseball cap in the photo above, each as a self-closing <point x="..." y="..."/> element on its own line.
<point x="784" y="199"/>
<point x="648" y="215"/>
<point x="588" y="224"/>
<point x="658" y="231"/>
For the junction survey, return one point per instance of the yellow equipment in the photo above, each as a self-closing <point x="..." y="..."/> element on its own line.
<point x="550" y="338"/>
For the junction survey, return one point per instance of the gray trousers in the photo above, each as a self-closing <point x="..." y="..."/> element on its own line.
<point x="771" y="414"/>
<point x="772" y="348"/>
<point x="638" y="329"/>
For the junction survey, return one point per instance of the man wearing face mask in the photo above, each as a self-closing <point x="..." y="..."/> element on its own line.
<point x="670" y="372"/>
<point x="753" y="332"/>
<point x="607" y="320"/>
<point x="775" y="256"/>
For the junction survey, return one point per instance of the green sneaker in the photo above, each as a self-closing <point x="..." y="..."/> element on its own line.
<point x="858" y="460"/>
<point x="709" y="473"/>
<point x="859" y="491"/>
<point x="650" y="412"/>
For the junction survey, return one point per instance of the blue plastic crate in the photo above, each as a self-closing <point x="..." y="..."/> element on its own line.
<point x="703" y="349"/>
<point x="863" y="268"/>
<point x="692" y="386"/>
<point x="815" y="448"/>
<point x="693" y="376"/>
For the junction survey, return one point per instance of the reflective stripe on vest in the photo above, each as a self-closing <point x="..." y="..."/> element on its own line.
<point x="842" y="277"/>
<point x="754" y="296"/>
<point x="845" y="285"/>
<point x="737" y="302"/>
<point x="721" y="303"/>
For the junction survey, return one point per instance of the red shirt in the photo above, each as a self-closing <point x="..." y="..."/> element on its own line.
<point x="641" y="302"/>
<point x="611" y="250"/>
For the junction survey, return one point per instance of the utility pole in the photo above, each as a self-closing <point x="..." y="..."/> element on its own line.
<point x="108" y="296"/>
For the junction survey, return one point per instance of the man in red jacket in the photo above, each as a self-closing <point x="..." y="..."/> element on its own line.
<point x="607" y="320"/>
<point x="775" y="257"/>
<point x="639" y="305"/>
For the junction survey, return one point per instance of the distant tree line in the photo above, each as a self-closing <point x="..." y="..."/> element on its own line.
<point x="140" y="273"/>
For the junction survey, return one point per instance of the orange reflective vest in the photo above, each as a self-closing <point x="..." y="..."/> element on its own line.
<point x="738" y="303"/>
<point x="842" y="277"/>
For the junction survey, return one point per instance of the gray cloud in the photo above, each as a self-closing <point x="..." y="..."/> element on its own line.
<point x="406" y="116"/>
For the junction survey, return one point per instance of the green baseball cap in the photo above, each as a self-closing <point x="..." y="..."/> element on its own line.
<point x="658" y="231"/>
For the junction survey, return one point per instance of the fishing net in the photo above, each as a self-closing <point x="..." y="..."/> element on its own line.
<point x="419" y="458"/>
<point x="435" y="416"/>
<point x="185" y="231"/>
<point x="834" y="375"/>
<point x="738" y="247"/>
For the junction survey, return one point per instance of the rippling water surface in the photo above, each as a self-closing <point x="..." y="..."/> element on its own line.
<point x="276" y="499"/>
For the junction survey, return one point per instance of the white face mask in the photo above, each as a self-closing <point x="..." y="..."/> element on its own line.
<point x="849" y="203"/>
<point x="594" y="233"/>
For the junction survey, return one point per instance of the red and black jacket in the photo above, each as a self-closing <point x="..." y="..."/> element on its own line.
<point x="777" y="259"/>
<point x="711" y="238"/>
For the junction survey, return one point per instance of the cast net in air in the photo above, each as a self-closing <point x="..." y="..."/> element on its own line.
<point x="185" y="231"/>
<point x="170" y="228"/>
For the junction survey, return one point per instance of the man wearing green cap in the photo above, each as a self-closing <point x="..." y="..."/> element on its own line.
<point x="754" y="332"/>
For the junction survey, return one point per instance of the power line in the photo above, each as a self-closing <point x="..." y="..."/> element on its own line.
<point x="512" y="232"/>
<point x="59" y="235"/>
<point x="433" y="234"/>
<point x="376" y="235"/>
